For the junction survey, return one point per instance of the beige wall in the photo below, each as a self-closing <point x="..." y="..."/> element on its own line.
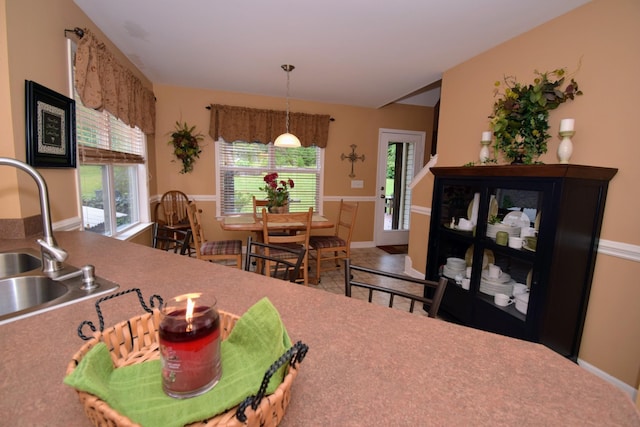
<point x="8" y="176"/>
<point x="352" y="125"/>
<point x="36" y="50"/>
<point x="600" y="39"/>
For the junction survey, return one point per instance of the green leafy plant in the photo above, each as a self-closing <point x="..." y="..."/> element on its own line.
<point x="486" y="162"/>
<point x="186" y="145"/>
<point x="520" y="117"/>
<point x="277" y="191"/>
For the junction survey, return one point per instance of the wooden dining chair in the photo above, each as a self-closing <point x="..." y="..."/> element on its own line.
<point x="394" y="285"/>
<point x="298" y="239"/>
<point x="337" y="247"/>
<point x="172" y="208"/>
<point x="269" y="260"/>
<point x="170" y="239"/>
<point x="214" y="250"/>
<point x="258" y="205"/>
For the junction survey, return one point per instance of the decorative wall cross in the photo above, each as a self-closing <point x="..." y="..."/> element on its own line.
<point x="353" y="157"/>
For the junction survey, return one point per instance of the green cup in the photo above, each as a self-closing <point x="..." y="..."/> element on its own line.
<point x="531" y="242"/>
<point x="502" y="238"/>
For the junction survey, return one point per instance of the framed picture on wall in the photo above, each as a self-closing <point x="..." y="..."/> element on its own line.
<point x="50" y="127"/>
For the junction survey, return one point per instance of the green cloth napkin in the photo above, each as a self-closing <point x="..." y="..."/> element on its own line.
<point x="257" y="340"/>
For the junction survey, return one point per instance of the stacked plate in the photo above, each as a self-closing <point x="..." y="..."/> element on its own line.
<point x="500" y="285"/>
<point x="492" y="229"/>
<point x="454" y="267"/>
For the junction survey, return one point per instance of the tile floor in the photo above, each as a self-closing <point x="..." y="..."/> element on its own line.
<point x="333" y="281"/>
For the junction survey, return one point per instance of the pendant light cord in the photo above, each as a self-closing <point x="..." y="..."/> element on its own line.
<point x="288" y="69"/>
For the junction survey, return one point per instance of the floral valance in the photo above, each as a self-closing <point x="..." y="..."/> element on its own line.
<point x="103" y="83"/>
<point x="264" y="126"/>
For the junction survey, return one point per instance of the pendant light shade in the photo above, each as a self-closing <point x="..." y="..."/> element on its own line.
<point x="287" y="139"/>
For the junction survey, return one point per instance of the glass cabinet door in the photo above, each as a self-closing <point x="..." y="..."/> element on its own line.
<point x="510" y="243"/>
<point x="458" y="220"/>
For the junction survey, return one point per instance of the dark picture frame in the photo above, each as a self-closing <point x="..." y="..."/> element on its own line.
<point x="50" y="127"/>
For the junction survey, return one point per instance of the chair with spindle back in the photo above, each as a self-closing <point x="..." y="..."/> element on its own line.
<point x="394" y="285"/>
<point x="298" y="239"/>
<point x="270" y="260"/>
<point x="216" y="250"/>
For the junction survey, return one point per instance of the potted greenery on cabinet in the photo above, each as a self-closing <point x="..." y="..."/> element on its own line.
<point x="520" y="117"/>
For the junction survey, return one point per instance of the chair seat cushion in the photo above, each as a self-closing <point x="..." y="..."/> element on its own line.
<point x="324" y="242"/>
<point x="278" y="254"/>
<point x="222" y="247"/>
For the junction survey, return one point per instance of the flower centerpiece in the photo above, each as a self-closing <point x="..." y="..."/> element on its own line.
<point x="185" y="144"/>
<point x="277" y="191"/>
<point x="520" y="118"/>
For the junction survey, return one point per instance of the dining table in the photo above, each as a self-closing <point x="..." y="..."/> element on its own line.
<point x="245" y="223"/>
<point x="366" y="364"/>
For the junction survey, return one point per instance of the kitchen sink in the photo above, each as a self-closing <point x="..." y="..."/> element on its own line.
<point x="13" y="263"/>
<point x="20" y="293"/>
<point x="25" y="290"/>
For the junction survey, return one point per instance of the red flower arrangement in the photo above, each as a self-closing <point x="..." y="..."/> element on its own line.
<point x="277" y="191"/>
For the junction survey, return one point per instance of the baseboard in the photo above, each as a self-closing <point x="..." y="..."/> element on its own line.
<point x="409" y="270"/>
<point x="632" y="392"/>
<point x="361" y="245"/>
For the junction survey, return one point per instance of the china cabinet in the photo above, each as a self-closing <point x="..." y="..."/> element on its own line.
<point x="558" y="211"/>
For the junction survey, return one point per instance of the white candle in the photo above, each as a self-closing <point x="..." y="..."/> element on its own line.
<point x="566" y="125"/>
<point x="486" y="136"/>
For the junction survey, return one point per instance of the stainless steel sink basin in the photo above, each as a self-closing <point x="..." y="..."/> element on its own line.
<point x="25" y="290"/>
<point x="13" y="263"/>
<point x="20" y="293"/>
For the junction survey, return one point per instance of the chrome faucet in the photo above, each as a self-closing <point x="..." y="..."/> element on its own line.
<point x="52" y="255"/>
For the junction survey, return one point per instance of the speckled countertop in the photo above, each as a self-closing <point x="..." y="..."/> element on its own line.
<point x="367" y="365"/>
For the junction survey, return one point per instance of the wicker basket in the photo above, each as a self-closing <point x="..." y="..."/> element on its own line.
<point x="136" y="340"/>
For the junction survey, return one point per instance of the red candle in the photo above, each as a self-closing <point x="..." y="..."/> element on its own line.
<point x="190" y="346"/>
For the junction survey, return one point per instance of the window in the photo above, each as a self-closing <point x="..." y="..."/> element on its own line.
<point x="112" y="171"/>
<point x="241" y="167"/>
<point x="110" y="175"/>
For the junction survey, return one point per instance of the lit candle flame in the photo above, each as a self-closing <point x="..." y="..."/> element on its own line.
<point x="189" y="314"/>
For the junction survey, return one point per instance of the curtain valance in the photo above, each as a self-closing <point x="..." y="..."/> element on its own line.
<point x="264" y="126"/>
<point x="103" y="83"/>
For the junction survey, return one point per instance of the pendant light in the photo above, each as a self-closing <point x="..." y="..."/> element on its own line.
<point x="287" y="139"/>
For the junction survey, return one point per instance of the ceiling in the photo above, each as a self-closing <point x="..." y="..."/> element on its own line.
<point x="356" y="52"/>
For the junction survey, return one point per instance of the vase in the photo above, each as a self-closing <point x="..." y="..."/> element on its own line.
<point x="518" y="159"/>
<point x="279" y="209"/>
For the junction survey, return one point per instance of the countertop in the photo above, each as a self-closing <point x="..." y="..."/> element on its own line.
<point x="366" y="365"/>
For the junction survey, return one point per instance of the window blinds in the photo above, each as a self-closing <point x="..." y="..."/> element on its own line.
<point x="242" y="167"/>
<point x="103" y="139"/>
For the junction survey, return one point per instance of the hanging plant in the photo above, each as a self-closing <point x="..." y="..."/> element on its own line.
<point x="520" y="118"/>
<point x="185" y="145"/>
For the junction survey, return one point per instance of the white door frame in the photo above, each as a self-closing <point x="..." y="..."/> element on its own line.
<point x="385" y="136"/>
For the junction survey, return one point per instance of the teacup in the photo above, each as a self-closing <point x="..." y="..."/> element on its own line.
<point x="515" y="242"/>
<point x="466" y="283"/>
<point x="465" y="224"/>
<point x="502" y="300"/>
<point x="494" y="271"/>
